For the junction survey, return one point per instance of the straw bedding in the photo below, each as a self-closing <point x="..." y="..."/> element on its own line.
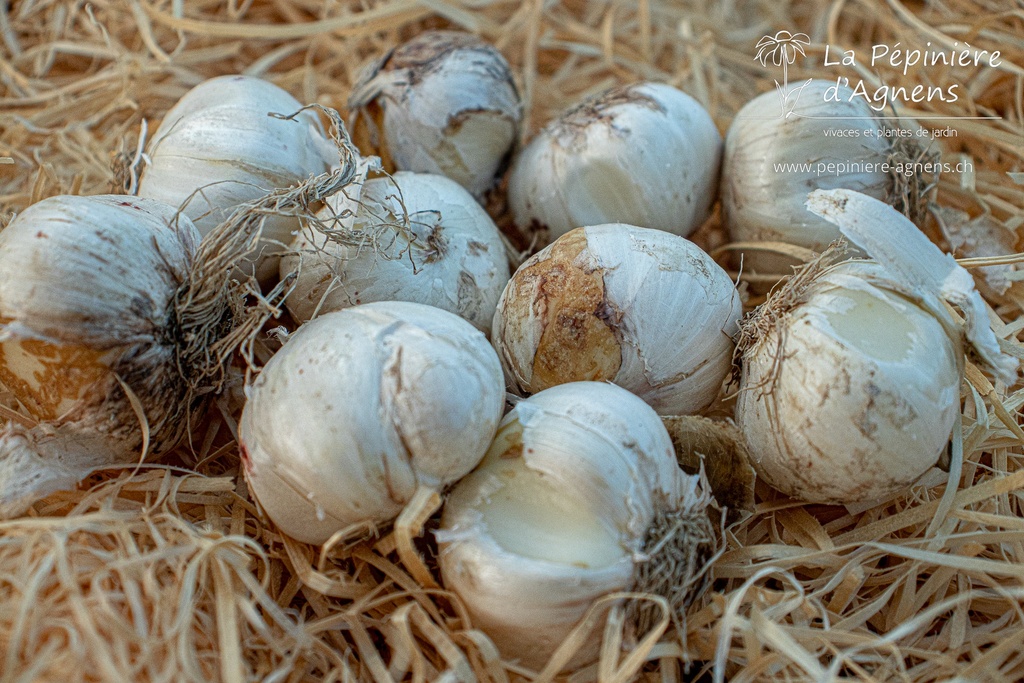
<point x="169" y="573"/>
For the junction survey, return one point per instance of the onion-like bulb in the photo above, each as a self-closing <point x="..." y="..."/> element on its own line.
<point x="90" y="336"/>
<point x="644" y="154"/>
<point x="575" y="489"/>
<point x="412" y="237"/>
<point x="219" y="147"/>
<point x="851" y="373"/>
<point x="829" y="140"/>
<point x="363" y="409"/>
<point x="445" y="103"/>
<point x="644" y="309"/>
<point x="116" y="324"/>
<point x="853" y="395"/>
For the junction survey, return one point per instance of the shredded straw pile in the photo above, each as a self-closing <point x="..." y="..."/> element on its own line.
<point x="169" y="573"/>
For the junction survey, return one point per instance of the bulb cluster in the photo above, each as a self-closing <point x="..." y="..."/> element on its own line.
<point x="412" y="326"/>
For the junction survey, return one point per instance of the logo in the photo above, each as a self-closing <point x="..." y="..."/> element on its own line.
<point x="782" y="49"/>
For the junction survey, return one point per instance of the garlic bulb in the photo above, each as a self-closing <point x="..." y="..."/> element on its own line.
<point x="644" y="154"/>
<point x="642" y="308"/>
<point x="361" y="408"/>
<point x="90" y="336"/>
<point x="447" y="105"/>
<point x="830" y="139"/>
<point x="413" y="237"/>
<point x="851" y="376"/>
<point x="853" y="396"/>
<point x="561" y="511"/>
<point x="117" y="323"/>
<point x="218" y="147"/>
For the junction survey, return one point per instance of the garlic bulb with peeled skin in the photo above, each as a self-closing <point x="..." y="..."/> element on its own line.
<point x="412" y="237"/>
<point x="852" y="372"/>
<point x="828" y="141"/>
<point x="219" y="147"/>
<point x="565" y="508"/>
<point x="445" y="102"/>
<point x="644" y="309"/>
<point x="88" y="313"/>
<point x="645" y="154"/>
<point x="853" y="396"/>
<point x="362" y="410"/>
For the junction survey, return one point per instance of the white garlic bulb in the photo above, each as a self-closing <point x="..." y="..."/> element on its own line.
<point x="560" y="513"/>
<point x="831" y="139"/>
<point x="645" y="154"/>
<point x="218" y="147"/>
<point x="448" y="105"/>
<point x="361" y="408"/>
<point x="852" y="396"/>
<point x="642" y="308"/>
<point x="412" y="237"/>
<point x="88" y="313"/>
<point x="851" y="376"/>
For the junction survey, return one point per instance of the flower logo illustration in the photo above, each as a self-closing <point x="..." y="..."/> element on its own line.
<point x="781" y="50"/>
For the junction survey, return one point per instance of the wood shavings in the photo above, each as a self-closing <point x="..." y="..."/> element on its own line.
<point x="168" y="575"/>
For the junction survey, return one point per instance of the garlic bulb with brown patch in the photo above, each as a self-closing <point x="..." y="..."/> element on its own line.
<point x="852" y="372"/>
<point x="642" y="308"/>
<point x="117" y="323"/>
<point x="411" y="237"/>
<point x="445" y="102"/>
<point x="219" y="147"/>
<point x="830" y="138"/>
<point x="645" y="154"/>
<point x="570" y="504"/>
<point x="90" y="337"/>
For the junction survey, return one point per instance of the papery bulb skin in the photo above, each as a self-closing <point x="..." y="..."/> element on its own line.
<point x="829" y="139"/>
<point x="219" y="147"/>
<point x="362" y="406"/>
<point x="556" y="515"/>
<point x="409" y="237"/>
<point x="852" y="395"/>
<point x="88" y="314"/>
<point x="444" y="103"/>
<point x="644" y="309"/>
<point x="644" y="154"/>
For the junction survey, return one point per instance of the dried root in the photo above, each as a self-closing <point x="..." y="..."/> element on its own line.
<point x="763" y="322"/>
<point x="212" y="320"/>
<point x="909" y="184"/>
<point x="678" y="552"/>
